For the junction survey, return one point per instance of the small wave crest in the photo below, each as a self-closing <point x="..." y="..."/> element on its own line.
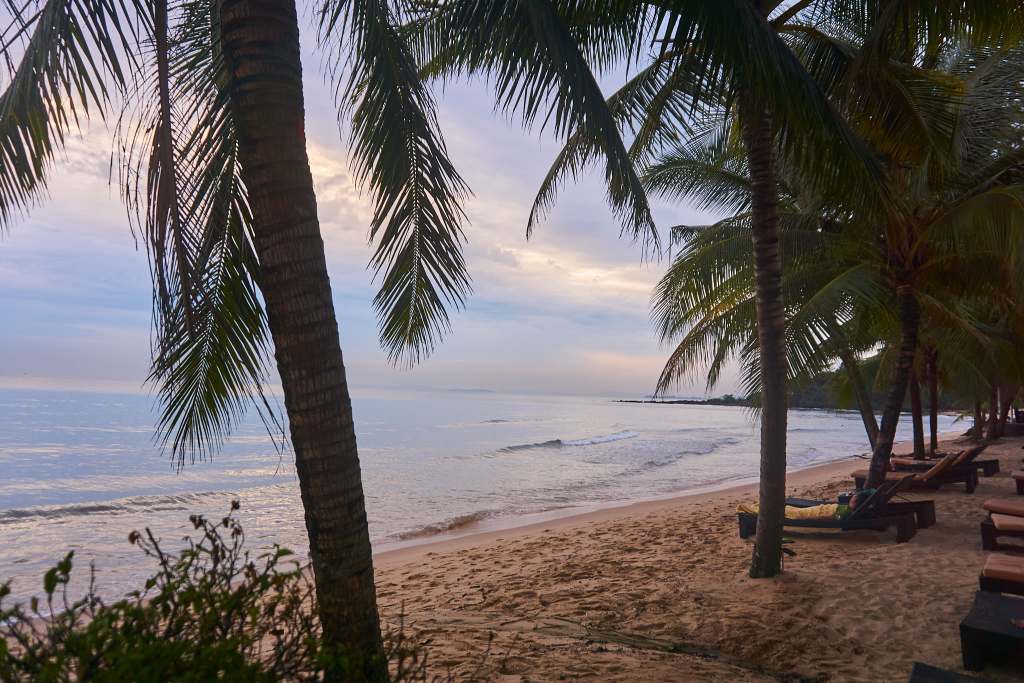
<point x="561" y="443"/>
<point x="447" y="526"/>
<point x="696" y="448"/>
<point x="183" y="501"/>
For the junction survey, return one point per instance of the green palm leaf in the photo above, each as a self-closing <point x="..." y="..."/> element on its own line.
<point x="398" y="151"/>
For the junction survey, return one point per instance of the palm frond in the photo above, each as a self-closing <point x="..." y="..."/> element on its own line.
<point x="181" y="180"/>
<point x="539" y="56"/>
<point x="399" y="153"/>
<point x="70" y="50"/>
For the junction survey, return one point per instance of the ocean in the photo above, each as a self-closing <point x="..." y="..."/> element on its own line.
<point x="80" y="471"/>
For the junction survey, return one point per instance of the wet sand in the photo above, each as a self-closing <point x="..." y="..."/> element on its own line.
<point x="659" y="591"/>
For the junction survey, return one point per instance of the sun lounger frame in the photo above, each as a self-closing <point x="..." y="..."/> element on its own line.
<point x="861" y="519"/>
<point x="993" y="585"/>
<point x="923" y="510"/>
<point x="986" y="467"/>
<point x="990" y="536"/>
<point x="986" y="634"/>
<point x="925" y="673"/>
<point x="967" y="476"/>
<point x="906" y="525"/>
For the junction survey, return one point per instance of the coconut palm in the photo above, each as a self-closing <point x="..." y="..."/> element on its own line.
<point x="208" y="105"/>
<point x="703" y="57"/>
<point x="957" y="225"/>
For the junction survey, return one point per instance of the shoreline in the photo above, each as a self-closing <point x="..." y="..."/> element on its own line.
<point x="484" y="532"/>
<point x="660" y="590"/>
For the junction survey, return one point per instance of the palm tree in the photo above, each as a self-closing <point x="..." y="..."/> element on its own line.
<point x="214" y="166"/>
<point x="709" y="56"/>
<point x="858" y="279"/>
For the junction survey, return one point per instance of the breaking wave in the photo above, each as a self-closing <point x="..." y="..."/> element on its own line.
<point x="184" y="501"/>
<point x="448" y="525"/>
<point x="562" y="443"/>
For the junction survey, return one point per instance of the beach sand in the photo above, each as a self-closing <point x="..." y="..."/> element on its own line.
<point x="659" y="592"/>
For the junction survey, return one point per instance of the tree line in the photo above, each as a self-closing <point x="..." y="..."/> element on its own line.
<point x="864" y="157"/>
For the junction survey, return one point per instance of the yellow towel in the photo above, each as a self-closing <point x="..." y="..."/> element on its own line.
<point x="827" y="511"/>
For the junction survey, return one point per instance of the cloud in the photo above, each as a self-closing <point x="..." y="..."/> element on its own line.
<point x="566" y="311"/>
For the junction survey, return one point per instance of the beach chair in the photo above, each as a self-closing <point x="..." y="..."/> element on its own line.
<point x="990" y="631"/>
<point x="926" y="673"/>
<point x="1002" y="574"/>
<point x="1005" y="519"/>
<point x="942" y="472"/>
<point x="871" y="514"/>
<point x="923" y="510"/>
<point x="968" y="458"/>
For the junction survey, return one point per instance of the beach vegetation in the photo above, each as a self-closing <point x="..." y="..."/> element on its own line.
<point x="212" y="611"/>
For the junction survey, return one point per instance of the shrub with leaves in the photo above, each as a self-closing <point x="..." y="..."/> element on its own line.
<point x="212" y="611"/>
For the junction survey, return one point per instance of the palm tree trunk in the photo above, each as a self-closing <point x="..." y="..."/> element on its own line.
<point x="933" y="400"/>
<point x="992" y="430"/>
<point x="917" y="414"/>
<point x="860" y="392"/>
<point x="261" y="46"/>
<point x="978" y="432"/>
<point x="1008" y="393"/>
<point x="910" y="315"/>
<point x="771" y="328"/>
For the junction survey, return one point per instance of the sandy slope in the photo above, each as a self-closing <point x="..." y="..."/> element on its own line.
<point x="659" y="592"/>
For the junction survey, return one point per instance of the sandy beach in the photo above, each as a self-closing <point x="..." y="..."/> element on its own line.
<point x="659" y="591"/>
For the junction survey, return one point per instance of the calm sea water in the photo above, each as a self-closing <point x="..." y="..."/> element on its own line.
<point x="80" y="470"/>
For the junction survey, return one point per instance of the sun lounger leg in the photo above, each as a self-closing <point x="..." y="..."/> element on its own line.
<point x="988" y="535"/>
<point x="1020" y="487"/>
<point x="974" y="657"/>
<point x="906" y="527"/>
<point x="748" y="525"/>
<point x="972" y="481"/>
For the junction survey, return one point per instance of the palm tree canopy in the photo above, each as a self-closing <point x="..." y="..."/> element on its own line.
<point x="959" y="249"/>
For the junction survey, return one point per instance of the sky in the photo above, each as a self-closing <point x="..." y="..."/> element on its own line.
<point x="565" y="312"/>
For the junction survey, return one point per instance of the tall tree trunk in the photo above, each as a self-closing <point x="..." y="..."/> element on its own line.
<point x="1007" y="394"/>
<point x="861" y="394"/>
<point x="261" y="47"/>
<point x="992" y="429"/>
<point x="933" y="400"/>
<point x="917" y="415"/>
<point x="978" y="433"/>
<point x="771" y="329"/>
<point x="910" y="315"/>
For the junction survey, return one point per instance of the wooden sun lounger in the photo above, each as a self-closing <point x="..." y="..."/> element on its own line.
<point x="942" y="472"/>
<point x="871" y="515"/>
<point x="1002" y="574"/>
<point x="988" y="632"/>
<point x="926" y="673"/>
<point x="923" y="510"/>
<point x="1005" y="519"/>
<point x="967" y="458"/>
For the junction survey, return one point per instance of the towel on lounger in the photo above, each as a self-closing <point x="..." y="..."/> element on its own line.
<point x="827" y="511"/>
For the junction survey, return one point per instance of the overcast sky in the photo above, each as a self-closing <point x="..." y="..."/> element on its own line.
<point x="565" y="312"/>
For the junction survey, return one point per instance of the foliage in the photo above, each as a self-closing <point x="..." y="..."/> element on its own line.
<point x="155" y="71"/>
<point x="211" y="612"/>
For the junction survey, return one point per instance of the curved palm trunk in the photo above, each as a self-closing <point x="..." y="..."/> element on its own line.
<point x="860" y="392"/>
<point x="261" y="47"/>
<point x="910" y="315"/>
<point x="917" y="414"/>
<point x="933" y="400"/>
<point x="771" y="328"/>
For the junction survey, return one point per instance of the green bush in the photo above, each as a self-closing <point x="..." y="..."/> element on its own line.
<point x="210" y="612"/>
